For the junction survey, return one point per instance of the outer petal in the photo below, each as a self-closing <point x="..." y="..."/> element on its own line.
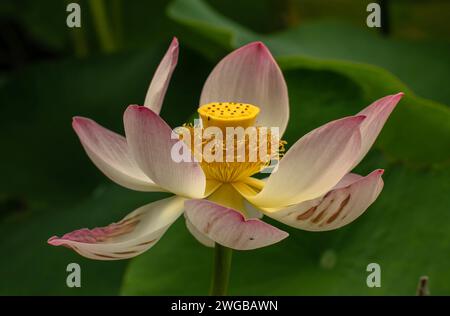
<point x="335" y="209"/>
<point x="377" y="113"/>
<point x="249" y="210"/>
<point x="201" y="238"/>
<point x="134" y="234"/>
<point x="313" y="165"/>
<point x="149" y="138"/>
<point x="109" y="152"/>
<point x="229" y="228"/>
<point x="251" y="75"/>
<point x="161" y="78"/>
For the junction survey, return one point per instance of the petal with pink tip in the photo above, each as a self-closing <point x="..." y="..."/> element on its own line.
<point x="313" y="165"/>
<point x="335" y="209"/>
<point x="251" y="75"/>
<point x="229" y="228"/>
<point x="160" y="81"/>
<point x="109" y="152"/>
<point x="376" y="115"/>
<point x="136" y="233"/>
<point x="151" y="143"/>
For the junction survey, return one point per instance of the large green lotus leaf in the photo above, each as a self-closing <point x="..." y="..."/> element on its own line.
<point x="421" y="65"/>
<point x="32" y="267"/>
<point x="419" y="133"/>
<point x="406" y="232"/>
<point x="44" y="160"/>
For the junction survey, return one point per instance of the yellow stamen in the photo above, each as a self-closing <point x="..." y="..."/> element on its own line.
<point x="244" y="164"/>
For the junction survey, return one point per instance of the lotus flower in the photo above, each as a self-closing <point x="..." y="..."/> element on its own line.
<point x="312" y="188"/>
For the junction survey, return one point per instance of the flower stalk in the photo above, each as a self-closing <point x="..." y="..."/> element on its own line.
<point x="221" y="270"/>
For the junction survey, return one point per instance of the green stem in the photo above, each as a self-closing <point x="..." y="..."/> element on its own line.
<point x="104" y="31"/>
<point x="221" y="270"/>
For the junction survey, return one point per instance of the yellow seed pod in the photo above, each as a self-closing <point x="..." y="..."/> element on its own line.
<point x="228" y="114"/>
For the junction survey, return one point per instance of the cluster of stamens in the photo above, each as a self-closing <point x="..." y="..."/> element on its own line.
<point x="238" y="148"/>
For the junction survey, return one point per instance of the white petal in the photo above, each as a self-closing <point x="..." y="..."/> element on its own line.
<point x="335" y="209"/>
<point x="161" y="78"/>
<point x="376" y="115"/>
<point x="149" y="138"/>
<point x="313" y="165"/>
<point x="251" y="75"/>
<point x="136" y="233"/>
<point x="201" y="238"/>
<point x="348" y="179"/>
<point x="229" y="228"/>
<point x="109" y="152"/>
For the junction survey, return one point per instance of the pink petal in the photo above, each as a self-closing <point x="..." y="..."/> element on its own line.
<point x="198" y="235"/>
<point x="313" y="165"/>
<point x="229" y="228"/>
<point x="161" y="78"/>
<point x="109" y="152"/>
<point x="149" y="138"/>
<point x="251" y="75"/>
<point x="137" y="232"/>
<point x="204" y="239"/>
<point x="335" y="209"/>
<point x="377" y="113"/>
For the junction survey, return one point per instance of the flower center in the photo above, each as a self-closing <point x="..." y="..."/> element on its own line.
<point x="239" y="148"/>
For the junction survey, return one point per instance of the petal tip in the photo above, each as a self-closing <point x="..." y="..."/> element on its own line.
<point x="397" y="97"/>
<point x="258" y="47"/>
<point x="78" y="119"/>
<point x="80" y="122"/>
<point x="174" y="47"/>
<point x="283" y="234"/>
<point x="137" y="108"/>
<point x="54" y="241"/>
<point x="259" y="44"/>
<point x="358" y="119"/>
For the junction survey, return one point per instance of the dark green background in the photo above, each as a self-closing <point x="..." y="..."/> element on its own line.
<point x="334" y="66"/>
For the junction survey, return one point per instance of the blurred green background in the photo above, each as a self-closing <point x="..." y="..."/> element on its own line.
<point x="334" y="66"/>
